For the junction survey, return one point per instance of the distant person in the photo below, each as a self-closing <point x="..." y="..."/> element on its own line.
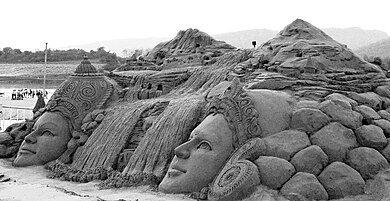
<point x="13" y="97"/>
<point x="39" y="104"/>
<point x="19" y="95"/>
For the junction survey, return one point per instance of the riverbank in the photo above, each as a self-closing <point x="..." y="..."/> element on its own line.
<point x="51" y="80"/>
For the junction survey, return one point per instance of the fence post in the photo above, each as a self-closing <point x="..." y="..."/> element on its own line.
<point x="1" y="118"/>
<point x="10" y="115"/>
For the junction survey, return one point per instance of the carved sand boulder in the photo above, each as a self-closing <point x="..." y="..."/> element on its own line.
<point x="384" y="114"/>
<point x="340" y="180"/>
<point x="371" y="136"/>
<point x="305" y="184"/>
<point x="335" y="140"/>
<point x="309" y="120"/>
<point x="368" y="113"/>
<point x="383" y="91"/>
<point x="273" y="171"/>
<point x="384" y="124"/>
<point x="337" y="112"/>
<point x="286" y="143"/>
<point x="367" y="161"/>
<point x="371" y="99"/>
<point x="311" y="160"/>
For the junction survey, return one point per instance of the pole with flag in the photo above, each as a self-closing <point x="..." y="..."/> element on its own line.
<point x="44" y="74"/>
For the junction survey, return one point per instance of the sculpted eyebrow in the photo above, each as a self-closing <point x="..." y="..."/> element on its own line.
<point x="51" y="124"/>
<point x="195" y="133"/>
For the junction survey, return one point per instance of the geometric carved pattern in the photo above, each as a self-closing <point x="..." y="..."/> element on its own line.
<point x="239" y="174"/>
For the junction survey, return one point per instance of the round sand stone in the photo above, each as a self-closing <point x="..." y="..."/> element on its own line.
<point x="384" y="125"/>
<point x="309" y="120"/>
<point x="383" y="91"/>
<point x="311" y="160"/>
<point x="339" y="113"/>
<point x="273" y="171"/>
<point x="386" y="151"/>
<point x="338" y="96"/>
<point x="371" y="136"/>
<point x="368" y="113"/>
<point x="335" y="140"/>
<point x="384" y="114"/>
<point x="305" y="184"/>
<point x="367" y="161"/>
<point x="286" y="144"/>
<point x="340" y="180"/>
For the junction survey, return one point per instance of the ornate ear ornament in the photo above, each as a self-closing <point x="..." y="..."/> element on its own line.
<point x="239" y="111"/>
<point x="239" y="176"/>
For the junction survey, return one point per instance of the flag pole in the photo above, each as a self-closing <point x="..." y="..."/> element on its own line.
<point x="44" y="74"/>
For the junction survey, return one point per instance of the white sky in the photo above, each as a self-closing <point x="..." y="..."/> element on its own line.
<point x="28" y="24"/>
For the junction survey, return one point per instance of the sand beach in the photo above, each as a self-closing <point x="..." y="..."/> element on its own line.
<point x="31" y="184"/>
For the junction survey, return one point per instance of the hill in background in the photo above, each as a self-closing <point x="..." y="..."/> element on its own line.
<point x="243" y="39"/>
<point x="380" y="48"/>
<point x="354" y="38"/>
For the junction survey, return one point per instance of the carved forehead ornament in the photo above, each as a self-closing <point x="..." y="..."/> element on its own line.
<point x="239" y="111"/>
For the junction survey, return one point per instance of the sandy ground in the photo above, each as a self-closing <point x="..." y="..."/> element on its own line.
<point x="30" y="183"/>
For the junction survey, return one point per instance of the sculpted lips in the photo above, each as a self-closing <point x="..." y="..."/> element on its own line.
<point x="176" y="171"/>
<point x="27" y="151"/>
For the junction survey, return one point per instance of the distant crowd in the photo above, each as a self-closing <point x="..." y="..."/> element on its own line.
<point x="19" y="94"/>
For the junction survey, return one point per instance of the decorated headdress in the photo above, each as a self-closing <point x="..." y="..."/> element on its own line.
<point x="83" y="93"/>
<point x="238" y="109"/>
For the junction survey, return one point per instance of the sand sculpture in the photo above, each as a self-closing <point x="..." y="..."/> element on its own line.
<point x="321" y="130"/>
<point x="72" y="113"/>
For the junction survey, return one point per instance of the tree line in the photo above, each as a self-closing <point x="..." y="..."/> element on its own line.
<point x="9" y="55"/>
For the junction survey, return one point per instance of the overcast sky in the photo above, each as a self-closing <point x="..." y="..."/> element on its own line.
<point x="28" y="24"/>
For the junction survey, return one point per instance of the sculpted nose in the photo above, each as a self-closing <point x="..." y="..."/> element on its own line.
<point x="30" y="138"/>
<point x="182" y="151"/>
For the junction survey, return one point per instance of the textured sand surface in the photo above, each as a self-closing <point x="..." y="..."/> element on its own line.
<point x="31" y="183"/>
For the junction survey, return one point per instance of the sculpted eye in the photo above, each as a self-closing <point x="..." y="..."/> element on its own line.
<point x="204" y="145"/>
<point x="47" y="133"/>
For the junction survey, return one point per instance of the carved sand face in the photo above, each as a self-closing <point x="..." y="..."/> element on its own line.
<point x="197" y="161"/>
<point x="47" y="141"/>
